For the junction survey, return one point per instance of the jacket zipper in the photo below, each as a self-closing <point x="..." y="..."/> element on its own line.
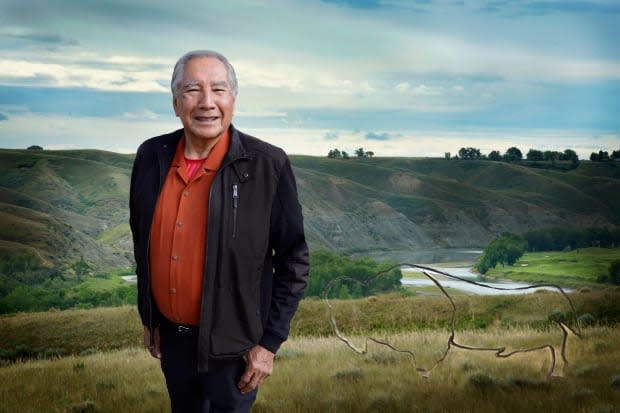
<point x="235" y="201"/>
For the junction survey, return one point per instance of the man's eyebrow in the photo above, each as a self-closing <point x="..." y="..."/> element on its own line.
<point x="190" y="83"/>
<point x="219" y="83"/>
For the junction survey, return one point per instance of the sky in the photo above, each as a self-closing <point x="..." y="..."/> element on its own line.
<point x="395" y="77"/>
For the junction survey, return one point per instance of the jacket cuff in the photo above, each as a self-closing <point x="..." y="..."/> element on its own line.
<point x="271" y="342"/>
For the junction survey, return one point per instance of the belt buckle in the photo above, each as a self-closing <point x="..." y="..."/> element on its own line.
<point x="183" y="329"/>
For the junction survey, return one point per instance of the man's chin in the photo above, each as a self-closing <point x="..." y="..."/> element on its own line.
<point x="211" y="132"/>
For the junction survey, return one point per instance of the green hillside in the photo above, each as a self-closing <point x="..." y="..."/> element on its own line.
<point x="61" y="206"/>
<point x="60" y="202"/>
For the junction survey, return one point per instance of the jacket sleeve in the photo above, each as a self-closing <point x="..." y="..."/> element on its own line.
<point x="290" y="260"/>
<point x="139" y="224"/>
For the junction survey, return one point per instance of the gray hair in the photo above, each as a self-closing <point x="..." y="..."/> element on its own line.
<point x="179" y="68"/>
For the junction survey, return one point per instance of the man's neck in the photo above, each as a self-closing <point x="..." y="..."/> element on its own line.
<point x="196" y="148"/>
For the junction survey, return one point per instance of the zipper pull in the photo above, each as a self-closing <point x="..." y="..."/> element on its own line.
<point x="235" y="195"/>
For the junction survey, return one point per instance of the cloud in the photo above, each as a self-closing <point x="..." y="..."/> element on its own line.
<point x="542" y="8"/>
<point x="359" y="4"/>
<point x="331" y="136"/>
<point x="402" y="87"/>
<point x="3" y="117"/>
<point x="70" y="75"/>
<point x="142" y="114"/>
<point x="48" y="39"/>
<point x="378" y="137"/>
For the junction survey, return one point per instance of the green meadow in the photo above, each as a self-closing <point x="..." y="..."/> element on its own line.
<point x="576" y="268"/>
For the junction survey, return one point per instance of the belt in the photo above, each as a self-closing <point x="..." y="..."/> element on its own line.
<point x="179" y="328"/>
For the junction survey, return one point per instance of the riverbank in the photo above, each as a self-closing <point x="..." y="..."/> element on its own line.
<point x="573" y="269"/>
<point x="568" y="270"/>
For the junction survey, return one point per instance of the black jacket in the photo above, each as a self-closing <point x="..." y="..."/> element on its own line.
<point x="257" y="261"/>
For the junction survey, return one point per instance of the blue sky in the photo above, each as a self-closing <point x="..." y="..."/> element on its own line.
<point x="399" y="78"/>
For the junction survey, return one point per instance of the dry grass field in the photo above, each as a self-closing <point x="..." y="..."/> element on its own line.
<point x="322" y="375"/>
<point x="91" y="360"/>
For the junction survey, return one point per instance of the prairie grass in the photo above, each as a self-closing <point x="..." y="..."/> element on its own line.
<point x="314" y="374"/>
<point x="92" y="361"/>
<point x="109" y="328"/>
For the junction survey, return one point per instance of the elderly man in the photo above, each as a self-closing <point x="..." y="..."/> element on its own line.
<point x="221" y="256"/>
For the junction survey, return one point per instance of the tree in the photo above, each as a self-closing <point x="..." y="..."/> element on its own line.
<point x="334" y="154"/>
<point x="600" y="156"/>
<point x="513" y="154"/>
<point x="345" y="155"/>
<point x="360" y="152"/>
<point x="35" y="148"/>
<point x="570" y="155"/>
<point x="470" y="153"/>
<point x="505" y="249"/>
<point x="534" y="155"/>
<point x="495" y="156"/>
<point x="615" y="155"/>
<point x="551" y="156"/>
<point x="81" y="268"/>
<point x="369" y="154"/>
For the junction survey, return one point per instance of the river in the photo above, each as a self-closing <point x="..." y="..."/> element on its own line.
<point x="507" y="287"/>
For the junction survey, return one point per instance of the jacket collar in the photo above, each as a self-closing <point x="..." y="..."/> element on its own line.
<point x="237" y="150"/>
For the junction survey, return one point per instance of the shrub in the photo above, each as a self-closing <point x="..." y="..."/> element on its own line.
<point x="482" y="381"/>
<point x="353" y="278"/>
<point x="586" y="319"/>
<point x="557" y="316"/>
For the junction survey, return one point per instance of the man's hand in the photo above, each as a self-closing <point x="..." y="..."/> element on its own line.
<point x="153" y="348"/>
<point x="259" y="366"/>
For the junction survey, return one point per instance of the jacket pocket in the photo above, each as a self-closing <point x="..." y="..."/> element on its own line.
<point x="237" y="326"/>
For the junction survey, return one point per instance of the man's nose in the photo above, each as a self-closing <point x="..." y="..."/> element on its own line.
<point x="207" y="99"/>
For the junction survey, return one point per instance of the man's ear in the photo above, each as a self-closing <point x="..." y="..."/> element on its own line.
<point x="174" y="106"/>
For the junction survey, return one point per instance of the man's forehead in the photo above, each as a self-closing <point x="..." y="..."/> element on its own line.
<point x="213" y="69"/>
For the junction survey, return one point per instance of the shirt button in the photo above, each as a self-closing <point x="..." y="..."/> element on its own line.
<point x="173" y="291"/>
<point x="180" y="224"/>
<point x="185" y="193"/>
<point x="175" y="258"/>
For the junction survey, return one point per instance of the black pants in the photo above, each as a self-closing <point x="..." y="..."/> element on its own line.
<point x="215" y="391"/>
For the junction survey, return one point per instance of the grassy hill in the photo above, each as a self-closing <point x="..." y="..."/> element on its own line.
<point x="61" y="206"/>
<point x="408" y="204"/>
<point x="60" y="202"/>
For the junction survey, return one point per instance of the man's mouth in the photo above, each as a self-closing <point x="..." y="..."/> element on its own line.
<point x="206" y="119"/>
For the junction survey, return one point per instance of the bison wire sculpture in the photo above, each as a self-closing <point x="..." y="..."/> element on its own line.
<point x="499" y="351"/>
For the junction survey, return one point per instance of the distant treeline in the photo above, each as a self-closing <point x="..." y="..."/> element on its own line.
<point x="602" y="156"/>
<point x="509" y="247"/>
<point x="359" y="152"/>
<point x="514" y="154"/>
<point x="559" y="239"/>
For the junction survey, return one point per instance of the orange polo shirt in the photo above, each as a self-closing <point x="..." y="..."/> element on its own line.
<point x="178" y="235"/>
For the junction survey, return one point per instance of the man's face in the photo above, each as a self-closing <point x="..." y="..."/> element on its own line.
<point x="204" y="101"/>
